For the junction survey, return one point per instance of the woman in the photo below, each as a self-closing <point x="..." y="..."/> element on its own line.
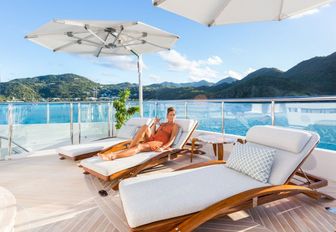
<point x="161" y="140"/>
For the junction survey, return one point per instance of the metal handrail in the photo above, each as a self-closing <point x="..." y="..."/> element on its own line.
<point x="231" y="100"/>
<point x="16" y="144"/>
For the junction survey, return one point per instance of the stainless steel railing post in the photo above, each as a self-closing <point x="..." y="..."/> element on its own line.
<point x="112" y="118"/>
<point x="223" y="118"/>
<point x="186" y="109"/>
<point x="0" y="148"/>
<point x="273" y="112"/>
<point x="109" y="114"/>
<point x="71" y="124"/>
<point x="48" y="113"/>
<point x="79" y="123"/>
<point x="10" y="130"/>
<point x="156" y="108"/>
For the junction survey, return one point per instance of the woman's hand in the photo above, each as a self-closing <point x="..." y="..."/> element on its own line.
<point x="157" y="120"/>
<point x="159" y="149"/>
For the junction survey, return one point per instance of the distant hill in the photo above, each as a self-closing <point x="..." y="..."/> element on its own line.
<point x="227" y="80"/>
<point x="313" y="77"/>
<point x="269" y="72"/>
<point x="319" y="73"/>
<point x="181" y="85"/>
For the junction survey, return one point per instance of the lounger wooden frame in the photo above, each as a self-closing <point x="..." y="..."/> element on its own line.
<point x="134" y="171"/>
<point x="244" y="200"/>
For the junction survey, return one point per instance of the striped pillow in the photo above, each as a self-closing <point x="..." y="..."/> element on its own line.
<point x="252" y="161"/>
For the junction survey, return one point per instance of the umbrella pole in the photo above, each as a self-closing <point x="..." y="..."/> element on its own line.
<point x="139" y="64"/>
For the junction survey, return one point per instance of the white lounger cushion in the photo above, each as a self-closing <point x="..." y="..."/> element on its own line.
<point x="80" y="149"/>
<point x="285" y="161"/>
<point x="84" y="148"/>
<point x="132" y="125"/>
<point x="107" y="168"/>
<point x="186" y="125"/>
<point x="287" y="139"/>
<point x="161" y="196"/>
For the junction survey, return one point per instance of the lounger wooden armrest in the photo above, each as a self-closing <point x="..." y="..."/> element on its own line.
<point x="202" y="164"/>
<point x="134" y="171"/>
<point x="116" y="147"/>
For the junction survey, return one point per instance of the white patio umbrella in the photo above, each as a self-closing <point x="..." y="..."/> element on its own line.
<point x="219" y="12"/>
<point x="104" y="38"/>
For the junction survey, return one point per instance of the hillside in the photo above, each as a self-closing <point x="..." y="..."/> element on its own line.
<point x="313" y="77"/>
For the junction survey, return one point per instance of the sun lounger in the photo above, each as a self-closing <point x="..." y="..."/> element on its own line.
<point x="184" y="199"/>
<point x="124" y="135"/>
<point x="119" y="169"/>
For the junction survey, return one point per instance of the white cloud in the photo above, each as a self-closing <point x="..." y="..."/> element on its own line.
<point x="213" y="60"/>
<point x="123" y="63"/>
<point x="309" y="12"/>
<point x="239" y="75"/>
<point x="196" y="69"/>
<point x="154" y="78"/>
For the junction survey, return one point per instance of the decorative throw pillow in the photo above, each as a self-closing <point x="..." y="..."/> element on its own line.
<point x="252" y="161"/>
<point x="178" y="137"/>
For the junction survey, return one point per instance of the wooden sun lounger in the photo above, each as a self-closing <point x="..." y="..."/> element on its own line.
<point x="116" y="147"/>
<point x="120" y="145"/>
<point x="244" y="200"/>
<point x="135" y="170"/>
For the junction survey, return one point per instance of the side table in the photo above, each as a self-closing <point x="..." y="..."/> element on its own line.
<point x="217" y="142"/>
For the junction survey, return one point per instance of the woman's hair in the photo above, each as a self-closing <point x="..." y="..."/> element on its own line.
<point x="170" y="109"/>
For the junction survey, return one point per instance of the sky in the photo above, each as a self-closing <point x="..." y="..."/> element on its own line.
<point x="201" y="53"/>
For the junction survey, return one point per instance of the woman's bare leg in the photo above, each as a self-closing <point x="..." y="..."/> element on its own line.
<point x="128" y="152"/>
<point x="143" y="133"/>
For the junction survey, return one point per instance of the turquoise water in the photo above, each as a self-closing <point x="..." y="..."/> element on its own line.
<point x="239" y="117"/>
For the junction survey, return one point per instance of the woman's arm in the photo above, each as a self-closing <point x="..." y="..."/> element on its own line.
<point x="172" y="137"/>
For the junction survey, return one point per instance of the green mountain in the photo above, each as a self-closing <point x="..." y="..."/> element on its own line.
<point x="313" y="77"/>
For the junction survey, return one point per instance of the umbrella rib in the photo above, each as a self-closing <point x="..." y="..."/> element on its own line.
<point x="281" y="9"/>
<point x="88" y="41"/>
<point x="127" y="48"/>
<point x="158" y="2"/>
<point x="134" y="44"/>
<point x="117" y="37"/>
<point x="151" y="43"/>
<point x="219" y="12"/>
<point x="153" y="34"/>
<point x="101" y="48"/>
<point x="94" y="34"/>
<point x="70" y="43"/>
<point x="32" y="36"/>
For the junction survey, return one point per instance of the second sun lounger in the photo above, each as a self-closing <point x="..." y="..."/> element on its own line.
<point x="86" y="150"/>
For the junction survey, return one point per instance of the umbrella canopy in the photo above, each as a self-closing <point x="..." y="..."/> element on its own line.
<point x="103" y="38"/>
<point x="219" y="12"/>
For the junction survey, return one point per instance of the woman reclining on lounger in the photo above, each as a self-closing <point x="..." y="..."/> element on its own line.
<point x="145" y="140"/>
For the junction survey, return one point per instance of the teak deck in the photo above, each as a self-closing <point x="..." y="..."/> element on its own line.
<point x="54" y="196"/>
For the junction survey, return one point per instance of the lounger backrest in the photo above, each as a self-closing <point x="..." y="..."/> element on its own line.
<point x="128" y="130"/>
<point x="292" y="146"/>
<point x="187" y="126"/>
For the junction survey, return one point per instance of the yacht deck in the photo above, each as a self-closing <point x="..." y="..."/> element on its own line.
<point x="54" y="195"/>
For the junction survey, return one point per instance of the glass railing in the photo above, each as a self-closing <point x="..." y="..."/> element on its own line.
<point x="36" y="126"/>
